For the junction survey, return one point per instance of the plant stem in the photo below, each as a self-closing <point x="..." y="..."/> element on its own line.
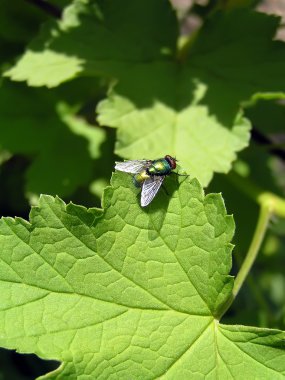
<point x="256" y="292"/>
<point x="262" y="224"/>
<point x="269" y="204"/>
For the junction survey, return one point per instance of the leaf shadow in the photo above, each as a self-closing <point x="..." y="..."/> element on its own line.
<point x="210" y="78"/>
<point x="59" y="159"/>
<point x="224" y="67"/>
<point x="158" y="209"/>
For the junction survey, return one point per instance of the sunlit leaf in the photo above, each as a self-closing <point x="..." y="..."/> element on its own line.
<point x="129" y="293"/>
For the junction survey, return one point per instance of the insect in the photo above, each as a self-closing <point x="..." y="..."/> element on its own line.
<point x="148" y="174"/>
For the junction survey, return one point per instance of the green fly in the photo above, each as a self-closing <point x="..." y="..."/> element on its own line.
<point x="148" y="174"/>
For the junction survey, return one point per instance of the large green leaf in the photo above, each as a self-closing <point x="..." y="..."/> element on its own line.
<point x="185" y="104"/>
<point x="129" y="293"/>
<point x="98" y="37"/>
<point x="158" y="109"/>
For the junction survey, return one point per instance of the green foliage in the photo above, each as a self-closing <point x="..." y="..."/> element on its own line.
<point x="126" y="293"/>
<point x="153" y="120"/>
<point x="121" y="291"/>
<point x="62" y="145"/>
<point x="160" y="98"/>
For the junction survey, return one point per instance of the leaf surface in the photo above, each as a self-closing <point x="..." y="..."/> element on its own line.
<point x="186" y="102"/>
<point x="129" y="293"/>
<point x="167" y="115"/>
<point x="121" y="36"/>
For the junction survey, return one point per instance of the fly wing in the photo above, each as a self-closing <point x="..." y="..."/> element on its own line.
<point x="150" y="188"/>
<point x="134" y="166"/>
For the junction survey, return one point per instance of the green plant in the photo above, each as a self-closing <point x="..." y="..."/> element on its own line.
<point x="121" y="291"/>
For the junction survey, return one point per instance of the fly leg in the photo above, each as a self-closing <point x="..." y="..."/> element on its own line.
<point x="179" y="175"/>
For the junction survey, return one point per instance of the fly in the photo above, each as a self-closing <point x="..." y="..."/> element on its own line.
<point x="148" y="174"/>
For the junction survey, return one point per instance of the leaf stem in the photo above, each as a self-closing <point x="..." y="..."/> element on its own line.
<point x="262" y="224"/>
<point x="269" y="204"/>
<point x="257" y="293"/>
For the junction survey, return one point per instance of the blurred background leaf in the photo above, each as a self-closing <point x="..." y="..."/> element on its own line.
<point x="60" y="146"/>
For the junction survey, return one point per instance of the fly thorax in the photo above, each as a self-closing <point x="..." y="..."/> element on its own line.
<point x="159" y="167"/>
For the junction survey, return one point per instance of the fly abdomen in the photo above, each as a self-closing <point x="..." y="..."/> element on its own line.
<point x="139" y="178"/>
